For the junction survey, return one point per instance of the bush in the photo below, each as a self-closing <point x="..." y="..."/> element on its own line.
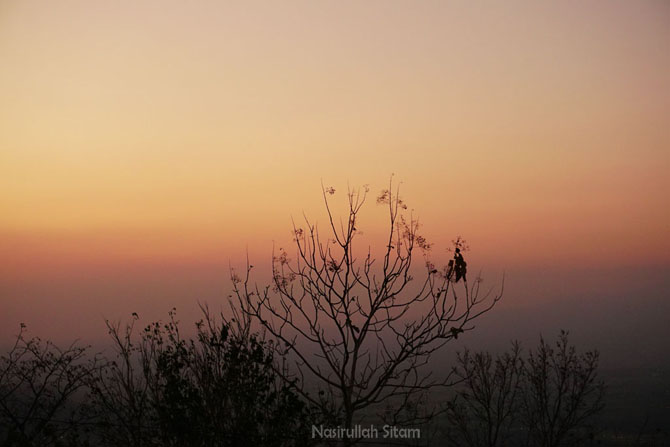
<point x="219" y="389"/>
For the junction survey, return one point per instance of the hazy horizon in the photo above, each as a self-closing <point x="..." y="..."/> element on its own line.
<point x="145" y="146"/>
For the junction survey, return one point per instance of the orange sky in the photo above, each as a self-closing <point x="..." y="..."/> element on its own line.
<point x="149" y="134"/>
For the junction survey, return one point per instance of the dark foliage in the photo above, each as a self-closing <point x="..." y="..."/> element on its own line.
<point x="218" y="389"/>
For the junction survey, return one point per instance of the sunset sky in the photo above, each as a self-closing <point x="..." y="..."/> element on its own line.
<point x="145" y="145"/>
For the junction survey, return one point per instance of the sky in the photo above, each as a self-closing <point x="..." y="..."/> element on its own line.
<point x="146" y="146"/>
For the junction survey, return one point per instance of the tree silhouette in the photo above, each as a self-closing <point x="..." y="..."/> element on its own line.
<point x="547" y="398"/>
<point x="486" y="406"/>
<point x="217" y="389"/>
<point x="39" y="384"/>
<point x="562" y="393"/>
<point x="356" y="330"/>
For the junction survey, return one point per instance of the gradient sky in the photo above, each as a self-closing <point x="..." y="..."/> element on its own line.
<point x="143" y="145"/>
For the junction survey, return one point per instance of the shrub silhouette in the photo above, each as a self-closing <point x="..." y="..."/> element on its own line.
<point x="217" y="389"/>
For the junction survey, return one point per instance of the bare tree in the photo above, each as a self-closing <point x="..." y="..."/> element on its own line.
<point x="562" y="393"/>
<point x="547" y="397"/>
<point x="487" y="403"/>
<point x="361" y="329"/>
<point x="123" y="388"/>
<point x="39" y="383"/>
